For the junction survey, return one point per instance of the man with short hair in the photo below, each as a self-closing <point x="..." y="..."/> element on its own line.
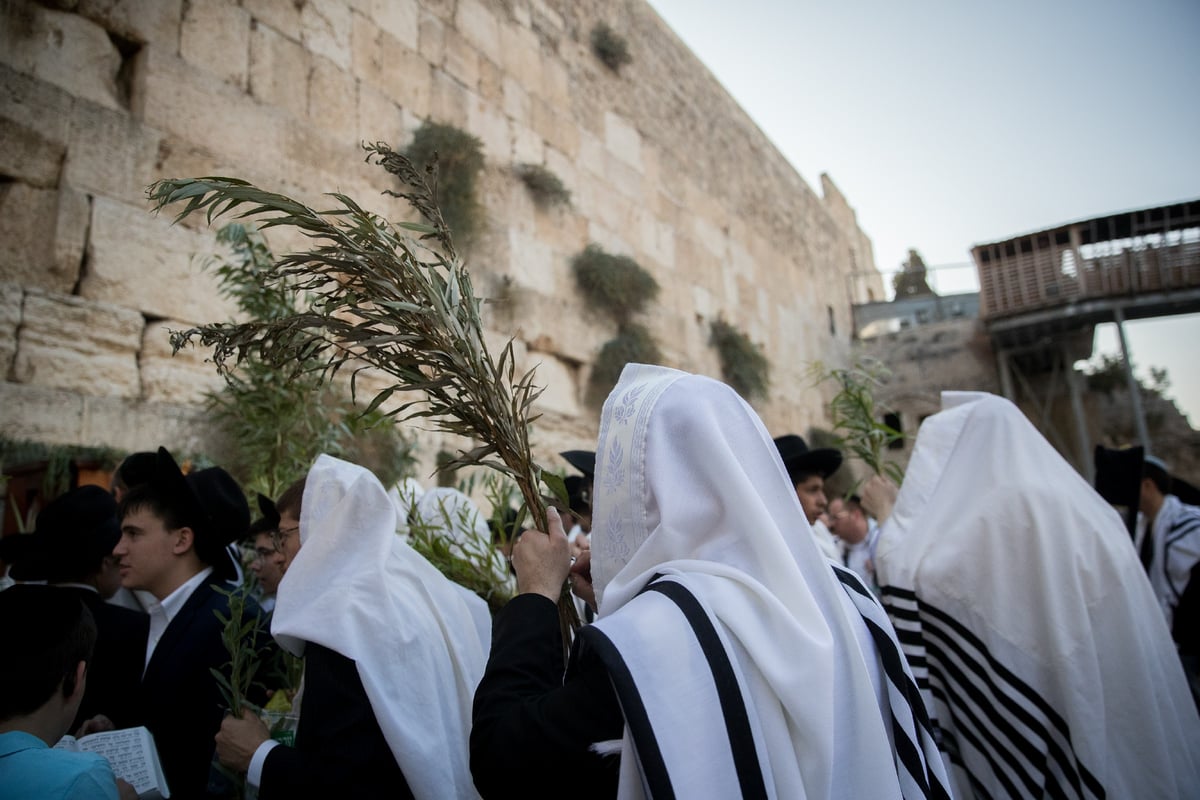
<point x="71" y="548"/>
<point x="267" y="565"/>
<point x="1168" y="540"/>
<point x="174" y="533"/>
<point x="858" y="534"/>
<point x="43" y="678"/>
<point x="808" y="470"/>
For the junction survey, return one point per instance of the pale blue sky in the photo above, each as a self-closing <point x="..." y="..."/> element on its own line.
<point x="948" y="124"/>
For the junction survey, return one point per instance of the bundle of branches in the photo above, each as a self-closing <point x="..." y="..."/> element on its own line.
<point x="855" y="419"/>
<point x="380" y="298"/>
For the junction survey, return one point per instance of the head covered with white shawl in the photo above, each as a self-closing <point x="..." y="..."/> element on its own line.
<point x="418" y="640"/>
<point x="690" y="485"/>
<point x="1018" y="586"/>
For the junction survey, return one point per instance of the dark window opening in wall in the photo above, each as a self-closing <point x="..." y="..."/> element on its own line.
<point x="832" y="321"/>
<point x="893" y="422"/>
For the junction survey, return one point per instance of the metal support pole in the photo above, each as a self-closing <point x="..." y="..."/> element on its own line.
<point x="1135" y="391"/>
<point x="1005" y="370"/>
<point x="1082" y="440"/>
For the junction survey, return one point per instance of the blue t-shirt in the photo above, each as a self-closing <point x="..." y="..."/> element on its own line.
<point x="30" y="770"/>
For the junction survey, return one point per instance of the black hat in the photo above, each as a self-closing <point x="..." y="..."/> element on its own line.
<point x="210" y="502"/>
<point x="579" y="493"/>
<point x="137" y="469"/>
<point x="269" y="520"/>
<point x="73" y="533"/>
<point x="799" y="460"/>
<point x="582" y="460"/>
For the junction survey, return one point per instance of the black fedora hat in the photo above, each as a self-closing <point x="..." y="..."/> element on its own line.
<point x="800" y="460"/>
<point x="72" y="534"/>
<point x="210" y="502"/>
<point x="582" y="460"/>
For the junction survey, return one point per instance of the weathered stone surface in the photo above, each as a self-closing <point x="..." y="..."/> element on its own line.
<point x="283" y="18"/>
<point x="29" y="156"/>
<point x="109" y="152"/>
<point x="29" y="223"/>
<point x="485" y="121"/>
<point x="63" y="49"/>
<point x="139" y="20"/>
<point x="325" y="27"/>
<point x="560" y="381"/>
<point x="11" y="297"/>
<point x="216" y="37"/>
<point x="181" y="378"/>
<point x="78" y="345"/>
<point x="462" y="60"/>
<point x="278" y="70"/>
<point x="332" y="97"/>
<point x="142" y="262"/>
<point x="480" y="28"/>
<point x="431" y="37"/>
<point x="35" y="413"/>
<point x="399" y="18"/>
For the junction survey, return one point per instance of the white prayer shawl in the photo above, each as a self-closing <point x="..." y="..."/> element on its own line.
<point x="689" y="486"/>
<point x="1029" y="621"/>
<point x="360" y="590"/>
<point x="1176" y="549"/>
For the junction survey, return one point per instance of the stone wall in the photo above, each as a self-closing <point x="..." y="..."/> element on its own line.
<point x="100" y="98"/>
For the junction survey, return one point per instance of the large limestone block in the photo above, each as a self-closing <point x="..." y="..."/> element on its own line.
<point x="11" y="297"/>
<point x="139" y="20"/>
<point x="556" y="128"/>
<point x="63" y="49"/>
<point x="109" y="152"/>
<point x="28" y="155"/>
<point x="82" y="346"/>
<point x="35" y="105"/>
<point x="399" y="18"/>
<point x="559" y="382"/>
<point x="332" y="99"/>
<point x="43" y="232"/>
<point x="480" y="27"/>
<point x="278" y="69"/>
<point x="184" y="377"/>
<point x="216" y="37"/>
<point x="174" y="97"/>
<point x="283" y="18"/>
<point x="462" y="59"/>
<point x="325" y="27"/>
<point x="388" y="65"/>
<point x="134" y="426"/>
<point x="431" y="37"/>
<point x="38" y="414"/>
<point x="139" y="260"/>
<point x="491" y="126"/>
<point x="521" y="56"/>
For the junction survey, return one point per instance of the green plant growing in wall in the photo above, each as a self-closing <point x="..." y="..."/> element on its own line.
<point x="615" y="285"/>
<point x="610" y="47"/>
<point x="279" y="420"/>
<point x="632" y="344"/>
<point x="455" y="158"/>
<point x="543" y="184"/>
<point x="743" y="364"/>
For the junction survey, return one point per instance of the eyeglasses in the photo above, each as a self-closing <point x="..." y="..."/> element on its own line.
<point x="280" y="535"/>
<point x="263" y="553"/>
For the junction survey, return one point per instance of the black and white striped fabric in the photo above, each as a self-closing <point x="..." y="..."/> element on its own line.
<point x="1174" y="549"/>
<point x="1034" y="637"/>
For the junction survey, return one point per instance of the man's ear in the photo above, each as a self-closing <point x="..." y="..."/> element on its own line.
<point x="185" y="541"/>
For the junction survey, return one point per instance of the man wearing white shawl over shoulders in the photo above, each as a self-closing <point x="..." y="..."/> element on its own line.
<point x="393" y="651"/>
<point x="1028" y="620"/>
<point x="727" y="659"/>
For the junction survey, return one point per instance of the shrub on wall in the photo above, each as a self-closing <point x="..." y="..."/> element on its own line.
<point x="616" y="285"/>
<point x="544" y="185"/>
<point x="610" y="47"/>
<point x="459" y="158"/>
<point x="743" y="365"/>
<point x="632" y="344"/>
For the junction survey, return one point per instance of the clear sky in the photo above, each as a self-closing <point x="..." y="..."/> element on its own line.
<point x="948" y="124"/>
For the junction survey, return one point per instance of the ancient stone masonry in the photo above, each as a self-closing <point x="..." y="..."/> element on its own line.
<point x="101" y="99"/>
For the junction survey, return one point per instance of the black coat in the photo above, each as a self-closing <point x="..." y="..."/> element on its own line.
<point x="340" y="749"/>
<point x="180" y="700"/>
<point x="115" y="671"/>
<point x="531" y="730"/>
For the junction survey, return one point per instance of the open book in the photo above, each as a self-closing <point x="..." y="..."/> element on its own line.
<point x="132" y="754"/>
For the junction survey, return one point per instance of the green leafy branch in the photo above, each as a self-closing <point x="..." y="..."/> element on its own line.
<point x="855" y="417"/>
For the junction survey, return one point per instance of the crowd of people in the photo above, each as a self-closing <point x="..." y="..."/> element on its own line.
<point x="987" y="629"/>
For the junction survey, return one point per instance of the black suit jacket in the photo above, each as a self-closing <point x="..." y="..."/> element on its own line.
<point x="340" y="749"/>
<point x="531" y="730"/>
<point x="180" y="700"/>
<point x="115" y="670"/>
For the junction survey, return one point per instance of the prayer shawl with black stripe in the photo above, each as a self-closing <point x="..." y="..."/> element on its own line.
<point x="1028" y="620"/>
<point x="744" y="666"/>
<point x="1175" y="551"/>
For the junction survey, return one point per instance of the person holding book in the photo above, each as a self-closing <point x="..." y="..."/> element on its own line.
<point x="174" y="535"/>
<point x="392" y="649"/>
<point x="42" y="682"/>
